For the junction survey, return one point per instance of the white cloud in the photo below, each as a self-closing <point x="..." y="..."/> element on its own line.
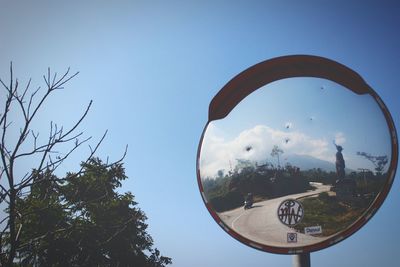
<point x="255" y="144"/>
<point x="340" y="139"/>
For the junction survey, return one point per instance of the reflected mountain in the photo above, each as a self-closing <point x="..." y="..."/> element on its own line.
<point x="306" y="162"/>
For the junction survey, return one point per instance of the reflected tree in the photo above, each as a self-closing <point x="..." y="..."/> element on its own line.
<point x="276" y="151"/>
<point x="379" y="162"/>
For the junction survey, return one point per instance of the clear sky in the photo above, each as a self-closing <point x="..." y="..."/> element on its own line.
<point x="152" y="68"/>
<point x="302" y="116"/>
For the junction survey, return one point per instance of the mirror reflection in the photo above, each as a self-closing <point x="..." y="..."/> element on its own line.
<point x="296" y="162"/>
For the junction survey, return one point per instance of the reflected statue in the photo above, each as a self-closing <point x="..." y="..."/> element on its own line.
<point x="343" y="187"/>
<point x="340" y="164"/>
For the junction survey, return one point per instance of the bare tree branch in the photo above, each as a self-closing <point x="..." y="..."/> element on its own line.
<point x="9" y="157"/>
<point x="29" y="104"/>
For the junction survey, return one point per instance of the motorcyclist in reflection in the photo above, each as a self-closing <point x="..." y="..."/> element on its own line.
<point x="248" y="201"/>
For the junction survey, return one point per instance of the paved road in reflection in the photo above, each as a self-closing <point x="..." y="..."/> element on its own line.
<point x="261" y="223"/>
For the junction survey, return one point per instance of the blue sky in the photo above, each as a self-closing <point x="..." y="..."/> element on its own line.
<point x="302" y="116"/>
<point x="152" y="68"/>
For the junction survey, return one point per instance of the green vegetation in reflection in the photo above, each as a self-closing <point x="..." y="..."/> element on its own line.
<point x="227" y="192"/>
<point x="332" y="213"/>
<point x="264" y="182"/>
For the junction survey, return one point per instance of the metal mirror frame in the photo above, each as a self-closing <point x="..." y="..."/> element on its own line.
<point x="279" y="68"/>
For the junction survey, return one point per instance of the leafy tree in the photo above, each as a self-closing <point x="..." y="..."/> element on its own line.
<point x="243" y="164"/>
<point x="85" y="222"/>
<point x="378" y="161"/>
<point x="276" y="151"/>
<point x="76" y="220"/>
<point x="220" y="173"/>
<point x="227" y="192"/>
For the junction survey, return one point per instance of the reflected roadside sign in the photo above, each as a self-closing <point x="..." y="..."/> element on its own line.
<point x="298" y="153"/>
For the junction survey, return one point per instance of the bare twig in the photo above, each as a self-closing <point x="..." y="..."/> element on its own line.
<point x="8" y="157"/>
<point x="49" y="160"/>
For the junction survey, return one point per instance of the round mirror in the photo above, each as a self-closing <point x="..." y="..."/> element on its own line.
<point x="296" y="161"/>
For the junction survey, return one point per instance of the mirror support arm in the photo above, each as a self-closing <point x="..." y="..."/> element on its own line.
<point x="301" y="260"/>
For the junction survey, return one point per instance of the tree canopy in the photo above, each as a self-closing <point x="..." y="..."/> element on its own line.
<point x="84" y="221"/>
<point x="79" y="219"/>
<point x="378" y="161"/>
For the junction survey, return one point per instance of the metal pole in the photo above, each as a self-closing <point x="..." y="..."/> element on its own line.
<point x="301" y="260"/>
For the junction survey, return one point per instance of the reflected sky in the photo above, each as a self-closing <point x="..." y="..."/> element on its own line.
<point x="303" y="116"/>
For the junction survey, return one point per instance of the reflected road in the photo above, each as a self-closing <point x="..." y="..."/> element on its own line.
<point x="261" y="224"/>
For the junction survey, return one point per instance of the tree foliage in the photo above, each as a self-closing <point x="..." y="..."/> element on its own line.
<point x="265" y="182"/>
<point x="276" y="151"/>
<point x="379" y="162"/>
<point x="76" y="220"/>
<point x="84" y="221"/>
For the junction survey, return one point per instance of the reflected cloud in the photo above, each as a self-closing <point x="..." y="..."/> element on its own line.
<point x="221" y="154"/>
<point x="340" y="139"/>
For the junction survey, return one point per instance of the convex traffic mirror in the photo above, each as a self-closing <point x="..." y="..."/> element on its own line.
<point x="298" y="154"/>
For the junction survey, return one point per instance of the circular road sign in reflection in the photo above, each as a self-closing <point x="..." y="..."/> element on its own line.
<point x="298" y="153"/>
